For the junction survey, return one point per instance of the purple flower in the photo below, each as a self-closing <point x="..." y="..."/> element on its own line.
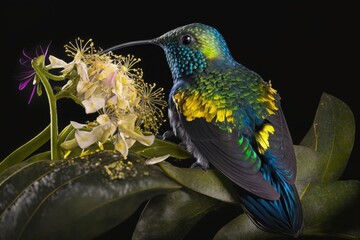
<point x="29" y="75"/>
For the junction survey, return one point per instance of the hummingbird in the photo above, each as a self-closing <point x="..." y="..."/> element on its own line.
<point x="231" y="119"/>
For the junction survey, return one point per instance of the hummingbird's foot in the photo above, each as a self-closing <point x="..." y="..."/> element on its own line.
<point x="167" y="134"/>
<point x="203" y="165"/>
<point x="195" y="165"/>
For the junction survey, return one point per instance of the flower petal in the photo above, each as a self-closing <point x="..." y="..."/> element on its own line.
<point x="86" y="139"/>
<point x="130" y="142"/>
<point x="103" y="119"/>
<point x="22" y="85"/>
<point x="77" y="125"/>
<point x="93" y="104"/>
<point x="107" y="126"/>
<point x="56" y="62"/>
<point x="145" y="140"/>
<point x="82" y="71"/>
<point x="85" y="88"/>
<point x="121" y="145"/>
<point x="69" y="67"/>
<point x="32" y="94"/>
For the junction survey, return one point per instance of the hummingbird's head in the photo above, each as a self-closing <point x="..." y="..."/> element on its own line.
<point x="190" y="49"/>
<point x="193" y="48"/>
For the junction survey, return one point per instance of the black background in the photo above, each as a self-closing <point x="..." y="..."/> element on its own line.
<point x="304" y="50"/>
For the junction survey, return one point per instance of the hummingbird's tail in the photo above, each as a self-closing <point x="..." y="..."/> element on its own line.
<point x="284" y="216"/>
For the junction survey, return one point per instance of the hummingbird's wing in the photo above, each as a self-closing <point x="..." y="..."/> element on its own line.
<point x="230" y="153"/>
<point x="240" y="158"/>
<point x="280" y="153"/>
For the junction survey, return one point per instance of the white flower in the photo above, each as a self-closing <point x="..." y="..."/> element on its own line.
<point x="81" y="69"/>
<point x="86" y="139"/>
<point x="67" y="67"/>
<point x="127" y="126"/>
<point x="121" y="145"/>
<point x="99" y="133"/>
<point x="56" y="63"/>
<point x="85" y="89"/>
<point x="109" y="84"/>
<point x="93" y="104"/>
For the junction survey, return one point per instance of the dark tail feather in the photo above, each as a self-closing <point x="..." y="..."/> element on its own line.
<point x="282" y="216"/>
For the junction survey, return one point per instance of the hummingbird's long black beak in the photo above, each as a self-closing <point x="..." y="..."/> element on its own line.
<point x="129" y="44"/>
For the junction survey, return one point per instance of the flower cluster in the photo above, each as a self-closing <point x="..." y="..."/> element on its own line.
<point x="129" y="109"/>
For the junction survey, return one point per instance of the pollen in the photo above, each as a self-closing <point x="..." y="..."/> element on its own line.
<point x="120" y="170"/>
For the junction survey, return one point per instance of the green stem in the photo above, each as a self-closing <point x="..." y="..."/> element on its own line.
<point x="54" y="77"/>
<point x="67" y="94"/>
<point x="53" y="111"/>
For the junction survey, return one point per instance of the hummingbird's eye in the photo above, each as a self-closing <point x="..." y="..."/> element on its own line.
<point x="186" y="39"/>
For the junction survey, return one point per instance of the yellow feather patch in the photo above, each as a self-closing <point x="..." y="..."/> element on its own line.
<point x="195" y="106"/>
<point x="269" y="100"/>
<point x="262" y="137"/>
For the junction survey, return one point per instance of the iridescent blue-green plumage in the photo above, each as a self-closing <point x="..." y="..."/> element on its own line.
<point x="231" y="119"/>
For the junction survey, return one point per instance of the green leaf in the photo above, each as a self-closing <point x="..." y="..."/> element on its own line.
<point x="66" y="134"/>
<point x="242" y="227"/>
<point x="78" y="198"/>
<point x="333" y="208"/>
<point x="39" y="156"/>
<point x="172" y="216"/>
<point x="210" y="183"/>
<point x="161" y="148"/>
<point x="332" y="135"/>
<point x="330" y="211"/>
<point x="309" y="167"/>
<point x="25" y="150"/>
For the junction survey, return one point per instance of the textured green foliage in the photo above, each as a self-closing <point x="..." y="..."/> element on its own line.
<point x="171" y="216"/>
<point x="210" y="183"/>
<point x="77" y="198"/>
<point x="333" y="208"/>
<point x="309" y="165"/>
<point x="332" y="135"/>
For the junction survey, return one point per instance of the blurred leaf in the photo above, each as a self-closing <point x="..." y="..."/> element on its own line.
<point x="160" y="148"/>
<point x="309" y="167"/>
<point x="330" y="211"/>
<point x="333" y="208"/>
<point x="25" y="150"/>
<point x="332" y="136"/>
<point x="172" y="216"/>
<point x="210" y="182"/>
<point x="77" y="198"/>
